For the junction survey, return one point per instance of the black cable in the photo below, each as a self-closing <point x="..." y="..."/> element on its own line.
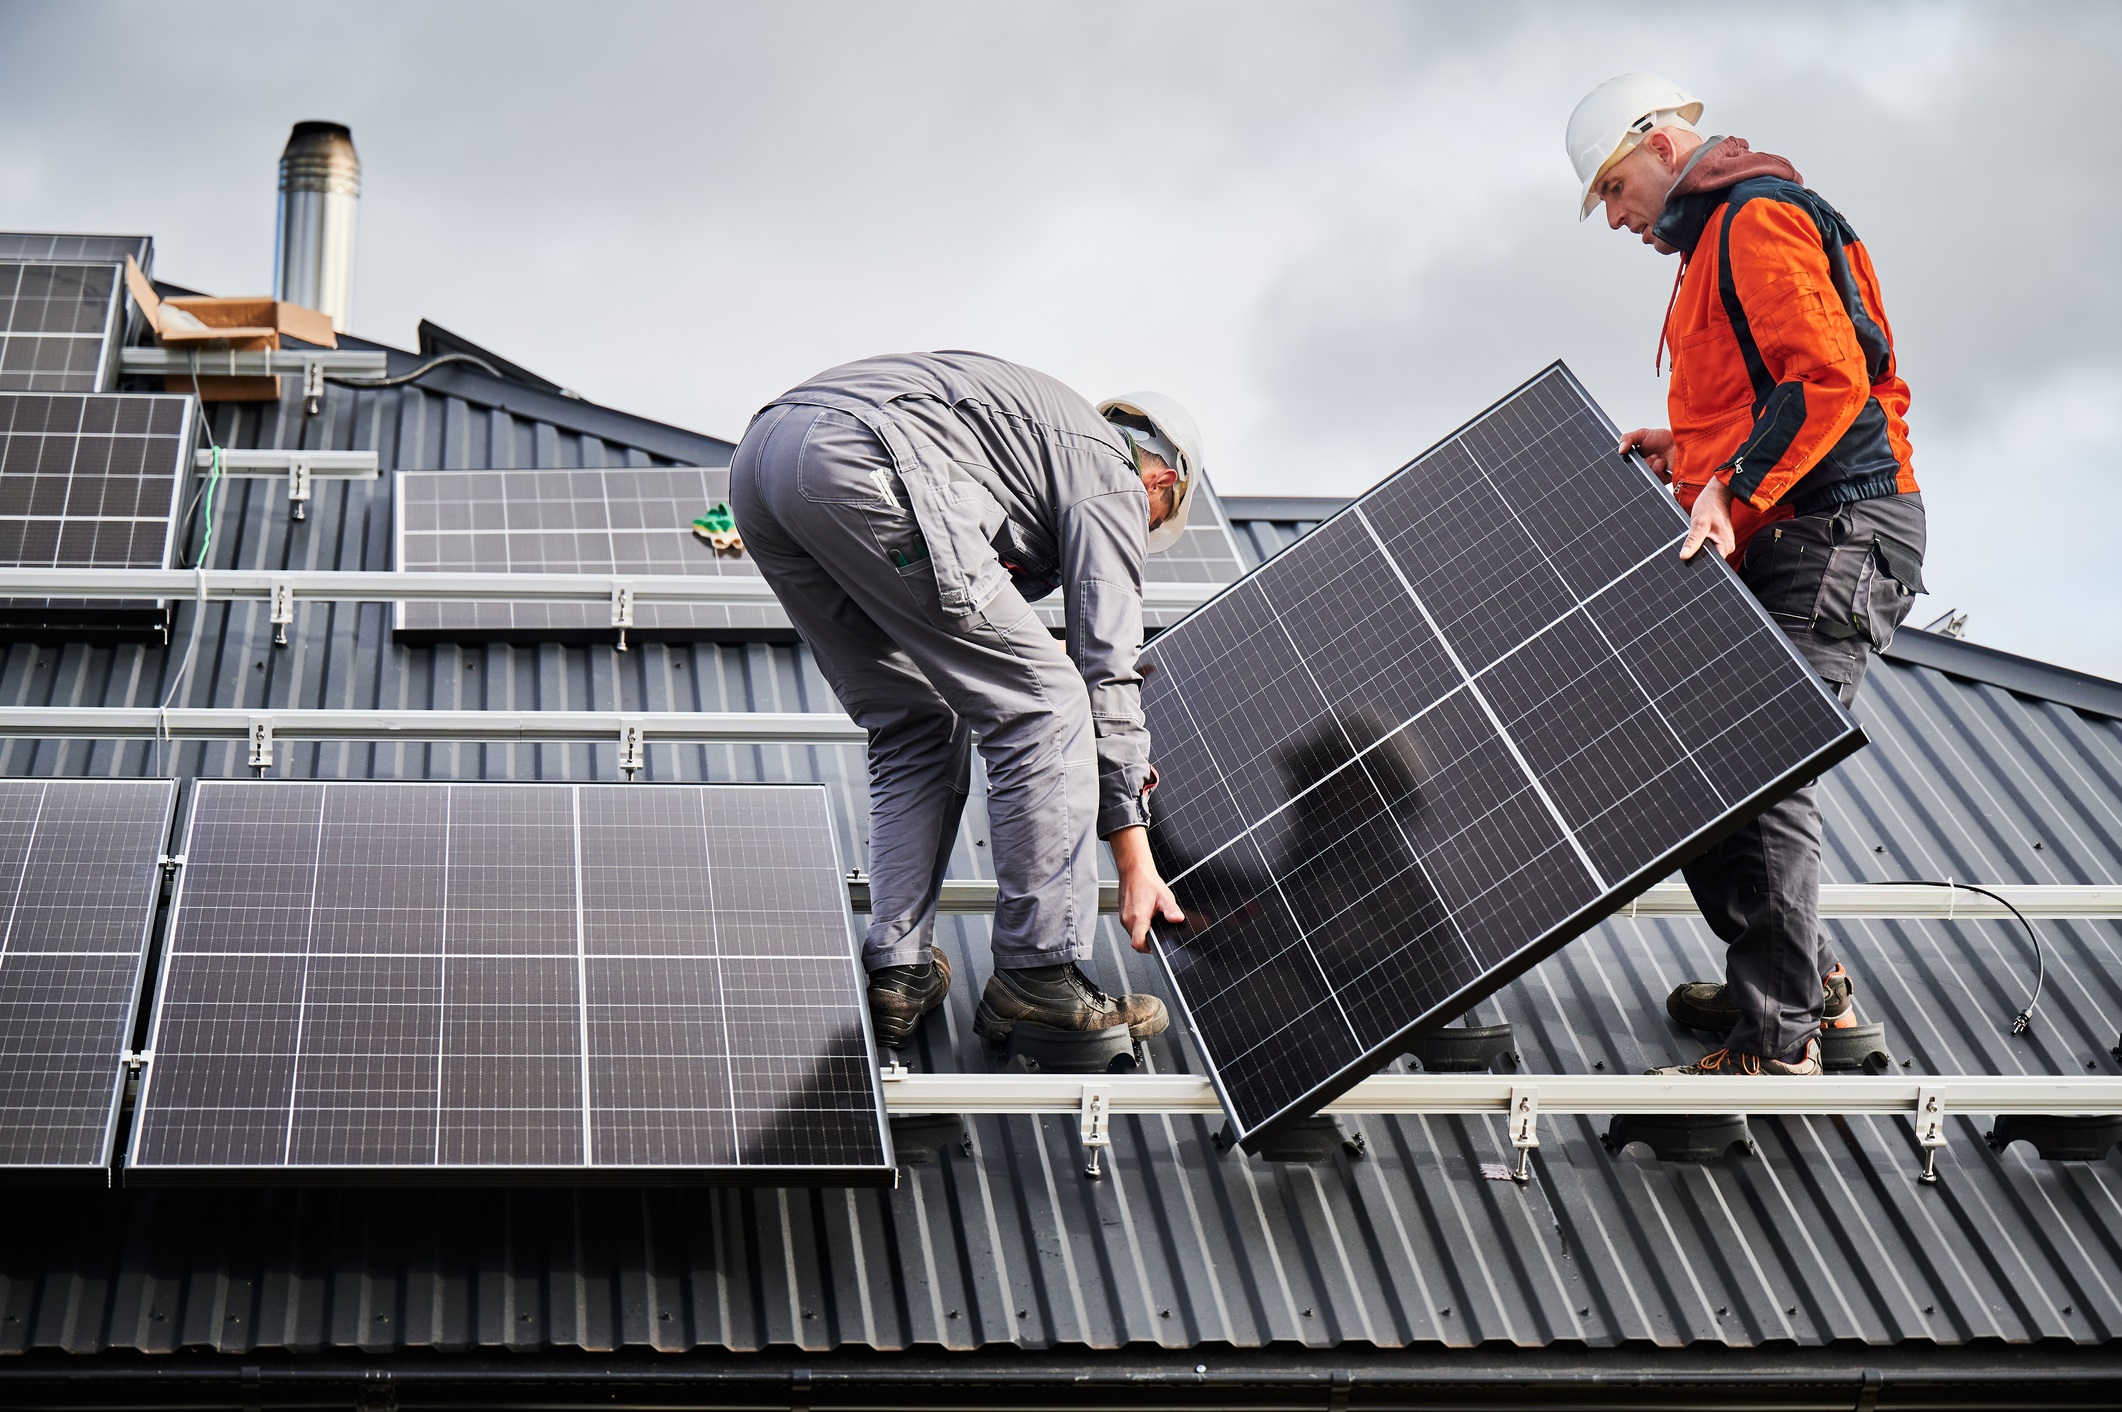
<point x="2023" y="1021"/>
<point x="420" y="372"/>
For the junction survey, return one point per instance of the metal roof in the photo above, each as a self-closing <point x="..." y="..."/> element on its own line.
<point x="1821" y="1241"/>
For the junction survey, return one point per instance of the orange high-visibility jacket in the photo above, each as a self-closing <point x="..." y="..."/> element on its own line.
<point x="1783" y="381"/>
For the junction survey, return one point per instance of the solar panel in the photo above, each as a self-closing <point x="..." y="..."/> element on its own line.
<point x="638" y="519"/>
<point x="60" y="325"/>
<point x="1445" y="733"/>
<point x="27" y="245"/>
<point x="90" y="481"/>
<point x="429" y="981"/>
<point x="80" y="872"/>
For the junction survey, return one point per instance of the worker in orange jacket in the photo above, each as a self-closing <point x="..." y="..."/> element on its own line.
<point x="1789" y="448"/>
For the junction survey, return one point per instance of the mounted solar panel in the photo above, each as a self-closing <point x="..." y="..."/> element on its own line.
<point x="481" y="982"/>
<point x="27" y="245"/>
<point x="1443" y="734"/>
<point x="80" y="873"/>
<point x="60" y="325"/>
<point x="639" y="520"/>
<point x="90" y="481"/>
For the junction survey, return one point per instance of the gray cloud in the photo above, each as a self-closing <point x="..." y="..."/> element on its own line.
<point x="1335" y="229"/>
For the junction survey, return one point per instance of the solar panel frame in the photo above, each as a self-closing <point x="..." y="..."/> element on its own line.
<point x="40" y="316"/>
<point x="1207" y="553"/>
<point x="112" y="987"/>
<point x="1228" y="862"/>
<point x="72" y="249"/>
<point x="524" y="985"/>
<point x="157" y="429"/>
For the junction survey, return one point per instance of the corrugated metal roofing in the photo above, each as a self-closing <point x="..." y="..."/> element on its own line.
<point x="1823" y="1237"/>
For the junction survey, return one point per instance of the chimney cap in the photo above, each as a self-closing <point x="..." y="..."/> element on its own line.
<point x="320" y="156"/>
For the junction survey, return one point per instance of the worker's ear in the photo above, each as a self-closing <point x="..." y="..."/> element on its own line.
<point x="1159" y="477"/>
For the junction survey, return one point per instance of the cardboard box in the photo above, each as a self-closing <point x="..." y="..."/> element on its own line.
<point x="246" y="325"/>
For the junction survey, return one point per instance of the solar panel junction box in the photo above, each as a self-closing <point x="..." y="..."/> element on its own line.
<point x="1464" y="1049"/>
<point x="1681" y="1137"/>
<point x="2083" y="1137"/>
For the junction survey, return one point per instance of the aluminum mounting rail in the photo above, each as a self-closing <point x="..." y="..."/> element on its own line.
<point x="251" y="363"/>
<point x="367" y="586"/>
<point x="977" y="897"/>
<point x="543" y="727"/>
<point x="1410" y="1094"/>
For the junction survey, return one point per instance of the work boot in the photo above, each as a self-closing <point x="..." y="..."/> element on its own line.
<point x="900" y="995"/>
<point x="1730" y="1063"/>
<point x="1061" y="998"/>
<point x="1707" y="1005"/>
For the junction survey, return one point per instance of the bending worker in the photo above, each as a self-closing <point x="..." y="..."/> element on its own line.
<point x="906" y="511"/>
<point x="1789" y="449"/>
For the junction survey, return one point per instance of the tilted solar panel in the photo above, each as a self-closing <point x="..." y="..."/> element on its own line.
<point x="427" y="982"/>
<point x="638" y="519"/>
<point x="90" y="481"/>
<point x="80" y="871"/>
<point x="1445" y="733"/>
<point x="60" y="325"/>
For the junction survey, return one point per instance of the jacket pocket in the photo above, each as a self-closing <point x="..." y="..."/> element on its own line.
<point x="1709" y="376"/>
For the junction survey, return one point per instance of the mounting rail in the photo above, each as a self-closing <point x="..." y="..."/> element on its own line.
<point x="908" y="1092"/>
<point x="370" y="586"/>
<point x="976" y="897"/>
<point x="251" y="363"/>
<point x="542" y="727"/>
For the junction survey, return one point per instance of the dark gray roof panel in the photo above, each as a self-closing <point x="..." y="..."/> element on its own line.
<point x="1822" y="1237"/>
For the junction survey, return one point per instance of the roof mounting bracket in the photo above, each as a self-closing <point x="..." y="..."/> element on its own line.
<point x="1095" y="1126"/>
<point x="1524" y="1129"/>
<point x="283" y="600"/>
<point x="1930" y="1130"/>
<point x="312" y="389"/>
<point x="298" y="490"/>
<point x="261" y="743"/>
<point x="633" y="746"/>
<point x="622" y="610"/>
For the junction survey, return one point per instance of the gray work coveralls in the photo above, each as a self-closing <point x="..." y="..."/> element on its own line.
<point x="906" y="509"/>
<point x="1839" y="583"/>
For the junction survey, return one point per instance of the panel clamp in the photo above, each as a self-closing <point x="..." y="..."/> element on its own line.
<point x="170" y="862"/>
<point x="622" y="610"/>
<point x="1095" y="1126"/>
<point x="261" y="742"/>
<point x="632" y="746"/>
<point x="1930" y="1130"/>
<point x="1524" y="1129"/>
<point x="283" y="600"/>
<point x="139" y="1058"/>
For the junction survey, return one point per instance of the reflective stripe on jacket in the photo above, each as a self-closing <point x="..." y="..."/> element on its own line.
<point x="1784" y="380"/>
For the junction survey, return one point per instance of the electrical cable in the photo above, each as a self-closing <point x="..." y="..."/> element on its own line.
<point x="2024" y="1020"/>
<point x="420" y="372"/>
<point x="204" y="501"/>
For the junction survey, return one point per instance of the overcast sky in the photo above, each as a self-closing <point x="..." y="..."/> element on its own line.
<point x="1335" y="230"/>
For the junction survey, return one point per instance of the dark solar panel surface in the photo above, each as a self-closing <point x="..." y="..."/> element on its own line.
<point x="79" y="874"/>
<point x="638" y="519"/>
<point x="438" y="980"/>
<point x="88" y="481"/>
<point x="29" y="245"/>
<point x="58" y="325"/>
<point x="1443" y="734"/>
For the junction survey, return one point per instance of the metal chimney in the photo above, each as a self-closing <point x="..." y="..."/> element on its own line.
<point x="320" y="184"/>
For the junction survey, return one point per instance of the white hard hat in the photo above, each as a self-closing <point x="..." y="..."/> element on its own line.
<point x="1617" y="115"/>
<point x="1169" y="423"/>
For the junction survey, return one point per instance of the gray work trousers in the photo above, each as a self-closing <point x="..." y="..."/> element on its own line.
<point x="1839" y="584"/>
<point x="826" y="520"/>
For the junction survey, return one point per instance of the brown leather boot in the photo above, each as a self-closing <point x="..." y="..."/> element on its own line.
<point x="900" y="995"/>
<point x="1062" y="998"/>
<point x="1707" y="1005"/>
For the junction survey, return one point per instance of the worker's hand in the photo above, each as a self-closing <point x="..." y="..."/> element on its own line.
<point x="1656" y="446"/>
<point x="1143" y="896"/>
<point x="1711" y="521"/>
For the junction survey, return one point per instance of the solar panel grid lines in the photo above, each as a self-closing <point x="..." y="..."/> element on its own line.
<point x="34" y="245"/>
<point x="80" y="873"/>
<point x="638" y="519"/>
<point x="1444" y="733"/>
<point x="59" y="325"/>
<point x="428" y="981"/>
